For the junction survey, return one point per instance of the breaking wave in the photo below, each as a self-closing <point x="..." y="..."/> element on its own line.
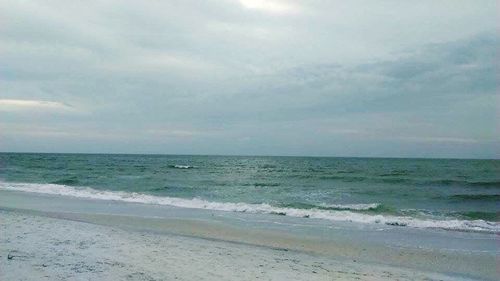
<point x="328" y="212"/>
<point x="354" y="207"/>
<point x="182" y="166"/>
<point x="338" y="207"/>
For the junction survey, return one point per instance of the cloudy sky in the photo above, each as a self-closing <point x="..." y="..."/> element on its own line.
<point x="317" y="77"/>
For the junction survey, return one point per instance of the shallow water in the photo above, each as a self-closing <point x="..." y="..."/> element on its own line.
<point x="458" y="254"/>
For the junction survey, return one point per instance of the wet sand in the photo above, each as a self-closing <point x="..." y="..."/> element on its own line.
<point x="35" y="247"/>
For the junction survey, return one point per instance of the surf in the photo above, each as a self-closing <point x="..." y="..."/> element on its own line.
<point x="344" y="213"/>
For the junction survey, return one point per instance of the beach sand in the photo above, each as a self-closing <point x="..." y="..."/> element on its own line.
<point x="35" y="247"/>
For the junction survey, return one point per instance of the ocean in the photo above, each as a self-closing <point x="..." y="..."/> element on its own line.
<point x="452" y="194"/>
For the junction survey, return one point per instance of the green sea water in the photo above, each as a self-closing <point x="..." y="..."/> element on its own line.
<point x="360" y="189"/>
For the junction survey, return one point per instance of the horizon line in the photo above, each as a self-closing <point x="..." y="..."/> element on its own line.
<point x="244" y="155"/>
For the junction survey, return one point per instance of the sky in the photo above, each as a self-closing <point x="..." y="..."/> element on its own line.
<point x="251" y="77"/>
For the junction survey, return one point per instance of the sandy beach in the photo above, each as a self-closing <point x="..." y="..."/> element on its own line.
<point x="249" y="140"/>
<point x="40" y="248"/>
<point x="45" y="237"/>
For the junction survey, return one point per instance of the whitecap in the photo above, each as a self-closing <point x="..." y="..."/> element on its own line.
<point x="196" y="203"/>
<point x="183" y="166"/>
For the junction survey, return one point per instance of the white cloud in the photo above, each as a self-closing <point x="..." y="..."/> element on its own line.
<point x="276" y="74"/>
<point x="16" y="105"/>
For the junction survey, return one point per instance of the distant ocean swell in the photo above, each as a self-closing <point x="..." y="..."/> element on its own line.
<point x="397" y="178"/>
<point x="328" y="212"/>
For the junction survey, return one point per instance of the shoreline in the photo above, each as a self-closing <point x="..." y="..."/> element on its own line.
<point x="334" y="213"/>
<point x="43" y="248"/>
<point x="408" y="254"/>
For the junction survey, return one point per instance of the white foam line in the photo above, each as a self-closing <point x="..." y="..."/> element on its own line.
<point x="183" y="166"/>
<point x="195" y="203"/>
<point x="355" y="207"/>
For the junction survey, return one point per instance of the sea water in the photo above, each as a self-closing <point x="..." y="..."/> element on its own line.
<point x="460" y="195"/>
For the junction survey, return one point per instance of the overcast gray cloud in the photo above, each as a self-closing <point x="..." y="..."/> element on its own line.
<point x="346" y="78"/>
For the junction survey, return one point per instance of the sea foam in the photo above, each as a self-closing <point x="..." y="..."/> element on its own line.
<point x="342" y="213"/>
<point x="182" y="166"/>
<point x="354" y="207"/>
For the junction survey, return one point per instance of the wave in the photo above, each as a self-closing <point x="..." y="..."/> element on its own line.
<point x="397" y="177"/>
<point x="345" y="215"/>
<point x="345" y="172"/>
<point x="262" y="184"/>
<point x="395" y="173"/>
<point x="451" y="182"/>
<point x="485" y="183"/>
<point x="491" y="216"/>
<point x="66" y="181"/>
<point x="476" y="197"/>
<point x="337" y="207"/>
<point x="447" y="182"/>
<point x="182" y="166"/>
<point x="353" y="207"/>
